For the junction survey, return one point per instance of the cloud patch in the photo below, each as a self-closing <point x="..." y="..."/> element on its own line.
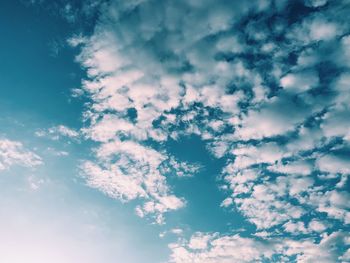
<point x="14" y="153"/>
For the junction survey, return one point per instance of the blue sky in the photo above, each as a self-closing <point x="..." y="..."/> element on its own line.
<point x="174" y="131"/>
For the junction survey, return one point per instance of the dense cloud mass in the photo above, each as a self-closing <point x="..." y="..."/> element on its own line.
<point x="265" y="84"/>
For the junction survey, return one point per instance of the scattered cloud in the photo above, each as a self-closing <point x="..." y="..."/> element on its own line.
<point x="58" y="132"/>
<point x="220" y="249"/>
<point x="264" y="84"/>
<point x="128" y="170"/>
<point x="14" y="153"/>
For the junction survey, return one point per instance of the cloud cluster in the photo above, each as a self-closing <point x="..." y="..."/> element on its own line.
<point x="265" y="84"/>
<point x="212" y="248"/>
<point x="13" y="153"/>
<point x="137" y="66"/>
<point x="128" y="170"/>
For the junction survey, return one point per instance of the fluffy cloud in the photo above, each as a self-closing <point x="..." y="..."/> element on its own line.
<point x="334" y="203"/>
<point x="334" y="164"/>
<point x="128" y="170"/>
<point x="264" y="87"/>
<point x="276" y="116"/>
<point x="211" y="248"/>
<point x="119" y="83"/>
<point x="13" y="153"/>
<point x="221" y="249"/>
<point x="299" y="82"/>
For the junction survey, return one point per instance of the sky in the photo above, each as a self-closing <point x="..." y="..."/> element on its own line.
<point x="197" y="131"/>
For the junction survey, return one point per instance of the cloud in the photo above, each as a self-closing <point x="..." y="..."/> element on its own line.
<point x="267" y="204"/>
<point x="317" y="226"/>
<point x="129" y="170"/>
<point x="264" y="84"/>
<point x="299" y="82"/>
<point x="301" y="167"/>
<point x="13" y="153"/>
<point x="276" y="116"/>
<point x="57" y="132"/>
<point x="295" y="228"/>
<point x="119" y="82"/>
<point x="177" y="231"/>
<point x="315" y="3"/>
<point x="334" y="164"/>
<point x="210" y="248"/>
<point x="316" y="28"/>
<point x="333" y="203"/>
<point x="234" y="248"/>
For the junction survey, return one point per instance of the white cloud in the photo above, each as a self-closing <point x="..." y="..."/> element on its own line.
<point x="234" y="248"/>
<point x="306" y="140"/>
<point x="300" y="82"/>
<point x="57" y="132"/>
<point x="264" y="153"/>
<point x="299" y="167"/>
<point x="221" y="249"/>
<point x="315" y="28"/>
<point x="317" y="226"/>
<point x="345" y="50"/>
<point x="126" y="74"/>
<point x="322" y="30"/>
<point x="227" y="202"/>
<point x="266" y="106"/>
<point x="334" y="164"/>
<point x="264" y="200"/>
<point x="177" y="231"/>
<point x="310" y="252"/>
<point x="295" y="227"/>
<point x="334" y="203"/>
<point x="114" y="183"/>
<point x="129" y="170"/>
<point x="346" y="256"/>
<point x="199" y="241"/>
<point x="267" y="205"/>
<point x="275" y="117"/>
<point x="14" y="153"/>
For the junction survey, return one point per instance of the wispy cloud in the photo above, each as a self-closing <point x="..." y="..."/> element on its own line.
<point x="57" y="132"/>
<point x="14" y="153"/>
